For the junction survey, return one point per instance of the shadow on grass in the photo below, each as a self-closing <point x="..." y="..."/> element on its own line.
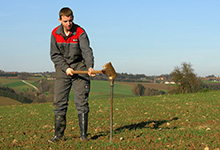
<point x="143" y="124"/>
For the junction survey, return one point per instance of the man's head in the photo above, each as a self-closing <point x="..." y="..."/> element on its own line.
<point x="66" y="18"/>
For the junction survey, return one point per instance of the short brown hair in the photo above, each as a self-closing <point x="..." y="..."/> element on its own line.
<point x="65" y="11"/>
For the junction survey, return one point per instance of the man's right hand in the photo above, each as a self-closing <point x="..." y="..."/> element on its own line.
<point x="69" y="71"/>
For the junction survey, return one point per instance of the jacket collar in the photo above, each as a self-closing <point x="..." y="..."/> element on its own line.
<point x="61" y="32"/>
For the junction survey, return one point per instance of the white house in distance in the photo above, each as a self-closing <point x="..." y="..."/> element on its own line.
<point x="167" y="82"/>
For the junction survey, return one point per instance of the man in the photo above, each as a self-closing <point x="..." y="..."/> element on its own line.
<point x="70" y="51"/>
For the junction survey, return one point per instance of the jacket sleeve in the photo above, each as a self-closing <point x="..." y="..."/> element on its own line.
<point x="56" y="55"/>
<point x="87" y="52"/>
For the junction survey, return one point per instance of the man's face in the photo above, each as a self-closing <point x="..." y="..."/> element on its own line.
<point x="67" y="22"/>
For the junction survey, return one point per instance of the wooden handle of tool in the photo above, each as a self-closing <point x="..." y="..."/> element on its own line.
<point x="85" y="72"/>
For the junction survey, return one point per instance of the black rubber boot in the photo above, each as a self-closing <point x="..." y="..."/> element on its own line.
<point x="83" y="123"/>
<point x="60" y="126"/>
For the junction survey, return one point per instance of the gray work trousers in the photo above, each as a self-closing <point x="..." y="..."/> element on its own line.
<point x="81" y="88"/>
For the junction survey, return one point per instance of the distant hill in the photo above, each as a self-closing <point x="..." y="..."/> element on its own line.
<point x="8" y="101"/>
<point x="10" y="93"/>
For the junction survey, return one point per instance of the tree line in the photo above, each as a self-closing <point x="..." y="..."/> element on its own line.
<point x="140" y="90"/>
<point x="125" y="77"/>
<point x="8" y="92"/>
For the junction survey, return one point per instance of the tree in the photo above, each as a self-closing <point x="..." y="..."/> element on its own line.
<point x="152" y="92"/>
<point x="23" y="76"/>
<point x="139" y="90"/>
<point x="43" y="85"/>
<point x="186" y="79"/>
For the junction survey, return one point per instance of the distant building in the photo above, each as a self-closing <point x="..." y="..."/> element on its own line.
<point x="162" y="78"/>
<point x="169" y="82"/>
<point x="38" y="75"/>
<point x="51" y="78"/>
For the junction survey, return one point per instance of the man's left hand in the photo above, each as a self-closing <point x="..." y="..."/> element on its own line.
<point x="90" y="72"/>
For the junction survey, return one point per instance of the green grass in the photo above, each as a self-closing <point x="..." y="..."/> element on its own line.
<point x="14" y="83"/>
<point x="184" y="121"/>
<point x="4" y="80"/>
<point x="102" y="90"/>
<point x="210" y="81"/>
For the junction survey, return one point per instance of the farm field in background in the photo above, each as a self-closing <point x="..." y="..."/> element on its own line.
<point x="8" y="101"/>
<point x="13" y="83"/>
<point x="99" y="89"/>
<point x="184" y="121"/>
<point x="158" y="86"/>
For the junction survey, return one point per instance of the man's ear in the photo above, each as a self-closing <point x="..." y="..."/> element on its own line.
<point x="59" y="20"/>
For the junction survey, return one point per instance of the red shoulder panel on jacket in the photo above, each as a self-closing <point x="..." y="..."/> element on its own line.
<point x="72" y="39"/>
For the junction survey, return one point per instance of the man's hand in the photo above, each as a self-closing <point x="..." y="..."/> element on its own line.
<point x="69" y="71"/>
<point x="90" y="72"/>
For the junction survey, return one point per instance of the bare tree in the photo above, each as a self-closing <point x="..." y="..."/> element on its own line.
<point x="187" y="80"/>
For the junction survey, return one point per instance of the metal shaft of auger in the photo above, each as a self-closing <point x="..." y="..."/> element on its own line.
<point x="111" y="110"/>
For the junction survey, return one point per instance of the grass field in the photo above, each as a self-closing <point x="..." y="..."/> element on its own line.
<point x="188" y="121"/>
<point x="102" y="89"/>
<point x="13" y="83"/>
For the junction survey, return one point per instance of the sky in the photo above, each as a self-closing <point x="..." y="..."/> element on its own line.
<point x="149" y="37"/>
